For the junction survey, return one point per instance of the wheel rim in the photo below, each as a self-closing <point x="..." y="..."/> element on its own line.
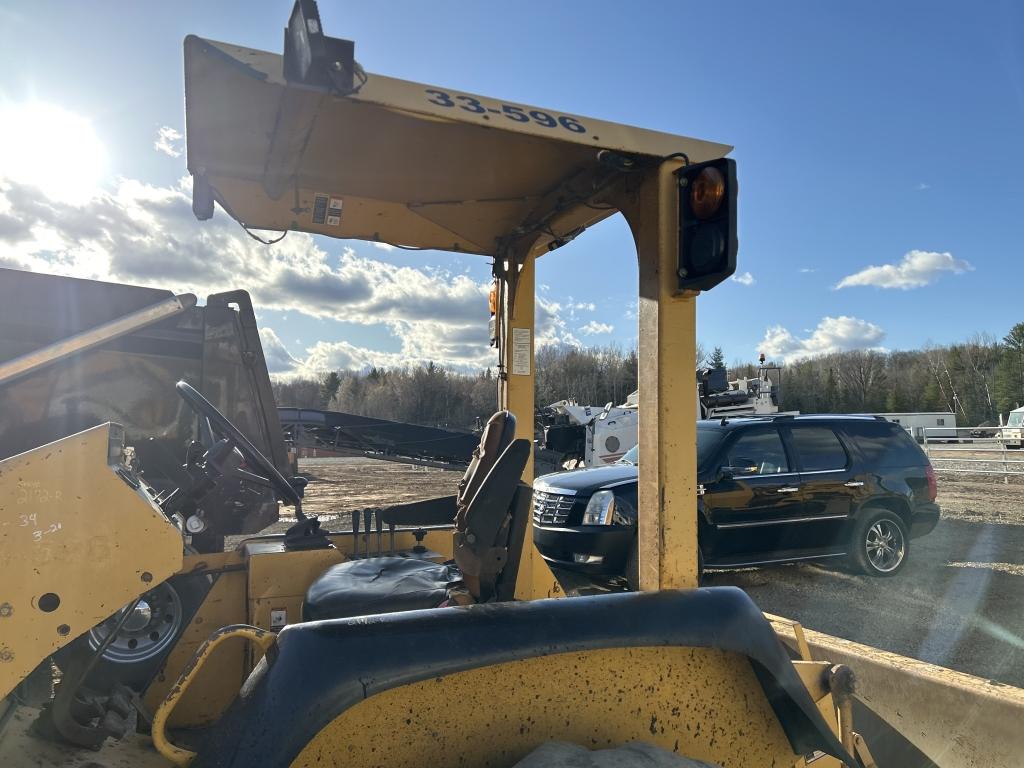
<point x="152" y="626"/>
<point x="885" y="546"/>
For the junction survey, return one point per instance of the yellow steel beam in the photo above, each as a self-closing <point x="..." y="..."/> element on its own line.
<point x="400" y="162"/>
<point x="667" y="528"/>
<point x="516" y="394"/>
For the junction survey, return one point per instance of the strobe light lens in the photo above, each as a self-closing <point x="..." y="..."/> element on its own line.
<point x="707" y="193"/>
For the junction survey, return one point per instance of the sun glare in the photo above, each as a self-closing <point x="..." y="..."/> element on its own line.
<point x="51" y="148"/>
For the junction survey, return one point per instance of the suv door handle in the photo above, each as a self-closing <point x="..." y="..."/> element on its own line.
<point x="854" y="483"/>
<point x="787" y="489"/>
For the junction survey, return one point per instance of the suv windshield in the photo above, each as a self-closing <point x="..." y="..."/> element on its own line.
<point x="1015" y="420"/>
<point x="707" y="441"/>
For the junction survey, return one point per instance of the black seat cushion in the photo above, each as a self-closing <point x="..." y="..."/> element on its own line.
<point x="378" y="585"/>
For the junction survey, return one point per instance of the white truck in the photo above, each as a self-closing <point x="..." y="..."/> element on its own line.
<point x="577" y="436"/>
<point x="1012" y="434"/>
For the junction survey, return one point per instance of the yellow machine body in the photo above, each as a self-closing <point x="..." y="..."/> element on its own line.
<point x="428" y="167"/>
<point x="260" y="584"/>
<point x="77" y="542"/>
<point x="586" y="698"/>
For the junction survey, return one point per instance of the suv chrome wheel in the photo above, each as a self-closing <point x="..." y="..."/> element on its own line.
<point x="879" y="542"/>
<point x="886" y="546"/>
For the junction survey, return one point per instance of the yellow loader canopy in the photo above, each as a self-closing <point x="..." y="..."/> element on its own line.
<point x="399" y="162"/>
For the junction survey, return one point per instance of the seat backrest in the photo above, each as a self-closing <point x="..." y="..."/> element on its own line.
<point x="518" y="522"/>
<point x="494" y="440"/>
<point x="486" y="527"/>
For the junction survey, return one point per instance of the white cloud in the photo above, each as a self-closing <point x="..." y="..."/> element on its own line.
<point x="807" y="270"/>
<point x="327" y="356"/>
<point x="584" y="306"/>
<point x="279" y="360"/>
<point x="459" y="351"/>
<point x="922" y="187"/>
<point x="167" y="139"/>
<point x="916" y="269"/>
<point x="833" y="334"/>
<point x="744" y="279"/>
<point x="384" y="246"/>
<point x="593" y="327"/>
<point x="147" y="235"/>
<point x="551" y="327"/>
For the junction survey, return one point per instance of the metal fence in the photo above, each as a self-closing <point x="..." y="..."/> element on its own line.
<point x="970" y="451"/>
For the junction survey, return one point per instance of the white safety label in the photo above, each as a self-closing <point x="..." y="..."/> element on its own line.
<point x="334" y="212"/>
<point x="522" y="347"/>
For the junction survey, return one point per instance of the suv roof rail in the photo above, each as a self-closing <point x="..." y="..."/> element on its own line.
<point x="723" y="420"/>
<point x="763" y="416"/>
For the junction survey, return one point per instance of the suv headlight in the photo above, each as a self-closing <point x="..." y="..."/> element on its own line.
<point x="600" y="509"/>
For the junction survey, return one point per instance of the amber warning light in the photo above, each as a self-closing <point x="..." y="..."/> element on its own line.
<point x="707" y="193"/>
<point x="707" y="224"/>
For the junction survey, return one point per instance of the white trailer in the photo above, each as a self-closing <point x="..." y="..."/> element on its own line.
<point x="941" y="425"/>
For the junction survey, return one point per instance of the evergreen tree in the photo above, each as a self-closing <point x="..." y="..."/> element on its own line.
<point x="1009" y="379"/>
<point x="931" y="399"/>
<point x="893" y="404"/>
<point x="717" y="359"/>
<point x="329" y="386"/>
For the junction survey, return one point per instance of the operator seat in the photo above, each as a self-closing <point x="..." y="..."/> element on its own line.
<point x="491" y="511"/>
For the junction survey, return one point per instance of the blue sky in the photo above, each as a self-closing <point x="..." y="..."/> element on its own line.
<point x="867" y="135"/>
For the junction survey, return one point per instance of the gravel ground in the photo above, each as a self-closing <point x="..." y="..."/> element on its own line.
<point x="959" y="601"/>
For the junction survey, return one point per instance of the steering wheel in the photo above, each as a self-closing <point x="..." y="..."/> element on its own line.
<point x="252" y="454"/>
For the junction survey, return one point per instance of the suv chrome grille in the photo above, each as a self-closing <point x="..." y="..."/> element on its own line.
<point x="551" y="508"/>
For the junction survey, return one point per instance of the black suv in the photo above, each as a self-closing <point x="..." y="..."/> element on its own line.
<point x="771" y="489"/>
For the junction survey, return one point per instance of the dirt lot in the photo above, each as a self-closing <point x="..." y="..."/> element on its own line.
<point x="959" y="602"/>
<point x="353" y="483"/>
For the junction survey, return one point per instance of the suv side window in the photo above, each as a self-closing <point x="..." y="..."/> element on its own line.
<point x="818" y="448"/>
<point x="884" y="445"/>
<point x="761" y="449"/>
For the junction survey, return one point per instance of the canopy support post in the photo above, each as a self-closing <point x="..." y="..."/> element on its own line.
<point x="668" y="404"/>
<point x="516" y="394"/>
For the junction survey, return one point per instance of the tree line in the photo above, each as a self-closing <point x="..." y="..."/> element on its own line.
<point x="426" y="394"/>
<point x="978" y="379"/>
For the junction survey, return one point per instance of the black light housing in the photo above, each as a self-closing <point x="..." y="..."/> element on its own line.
<point x="707" y="224"/>
<point x="313" y="58"/>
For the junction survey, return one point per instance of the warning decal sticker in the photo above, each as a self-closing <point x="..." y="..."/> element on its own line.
<point x="320" y="209"/>
<point x="334" y="212"/>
